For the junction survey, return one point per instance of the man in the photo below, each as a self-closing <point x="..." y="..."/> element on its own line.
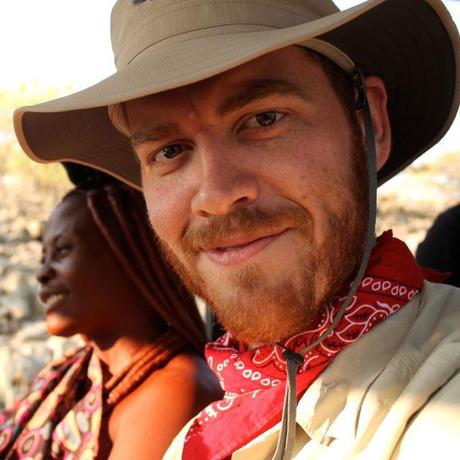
<point x="252" y="127"/>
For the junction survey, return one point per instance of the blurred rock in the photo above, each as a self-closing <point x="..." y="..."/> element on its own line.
<point x="4" y="261"/>
<point x="34" y="229"/>
<point x="8" y="325"/>
<point x="18" y="306"/>
<point x="11" y="281"/>
<point x="32" y="330"/>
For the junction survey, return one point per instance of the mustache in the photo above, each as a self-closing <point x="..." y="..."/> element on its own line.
<point x="242" y="221"/>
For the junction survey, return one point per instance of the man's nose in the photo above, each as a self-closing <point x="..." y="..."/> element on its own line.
<point x="225" y="182"/>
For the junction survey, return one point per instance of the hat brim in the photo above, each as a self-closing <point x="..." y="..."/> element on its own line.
<point x="411" y="45"/>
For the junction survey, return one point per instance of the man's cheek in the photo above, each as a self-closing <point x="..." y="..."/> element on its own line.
<point x="156" y="220"/>
<point x="155" y="203"/>
<point x="162" y="220"/>
<point x="168" y="206"/>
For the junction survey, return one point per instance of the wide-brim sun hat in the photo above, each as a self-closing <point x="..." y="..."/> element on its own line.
<point x="160" y="45"/>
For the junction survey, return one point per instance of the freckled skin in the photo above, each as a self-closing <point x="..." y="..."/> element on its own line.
<point x="306" y="159"/>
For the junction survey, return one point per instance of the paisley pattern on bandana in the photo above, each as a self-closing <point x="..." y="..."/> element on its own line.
<point x="254" y="380"/>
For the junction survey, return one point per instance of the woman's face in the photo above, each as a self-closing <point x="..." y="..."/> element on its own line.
<point x="82" y="285"/>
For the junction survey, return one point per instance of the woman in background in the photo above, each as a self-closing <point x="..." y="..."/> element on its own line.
<point x="141" y="375"/>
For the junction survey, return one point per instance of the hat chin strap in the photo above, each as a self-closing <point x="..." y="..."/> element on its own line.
<point x="286" y="439"/>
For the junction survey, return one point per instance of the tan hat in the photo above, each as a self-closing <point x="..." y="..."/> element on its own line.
<point x="164" y="44"/>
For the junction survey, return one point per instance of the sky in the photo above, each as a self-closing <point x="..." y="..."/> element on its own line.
<point x="64" y="43"/>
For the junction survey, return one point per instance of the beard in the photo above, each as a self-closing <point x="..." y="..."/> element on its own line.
<point x="260" y="304"/>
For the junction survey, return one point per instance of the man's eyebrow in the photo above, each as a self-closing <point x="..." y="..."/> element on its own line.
<point x="248" y="92"/>
<point x="258" y="89"/>
<point x="152" y="133"/>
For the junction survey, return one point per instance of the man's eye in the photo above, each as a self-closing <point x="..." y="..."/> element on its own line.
<point x="264" y="119"/>
<point x="169" y="152"/>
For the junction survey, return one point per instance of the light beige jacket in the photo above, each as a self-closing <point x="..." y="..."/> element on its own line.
<point x="394" y="394"/>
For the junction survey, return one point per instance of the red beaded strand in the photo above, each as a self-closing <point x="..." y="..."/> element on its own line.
<point x="147" y="361"/>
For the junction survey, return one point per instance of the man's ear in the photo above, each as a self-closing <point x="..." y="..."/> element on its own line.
<point x="377" y="97"/>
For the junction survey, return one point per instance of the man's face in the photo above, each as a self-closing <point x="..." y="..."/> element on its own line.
<point x="253" y="182"/>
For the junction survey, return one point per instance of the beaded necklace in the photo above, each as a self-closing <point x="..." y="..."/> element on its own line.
<point x="143" y="363"/>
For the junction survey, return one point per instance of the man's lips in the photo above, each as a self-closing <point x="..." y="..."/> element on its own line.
<point x="239" y="250"/>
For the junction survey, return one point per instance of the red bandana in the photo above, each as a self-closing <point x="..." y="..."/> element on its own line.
<point x="253" y="380"/>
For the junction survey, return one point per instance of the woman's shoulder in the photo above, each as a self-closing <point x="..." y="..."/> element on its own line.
<point x="191" y="370"/>
<point x="186" y="379"/>
<point x="184" y="386"/>
<point x="168" y="398"/>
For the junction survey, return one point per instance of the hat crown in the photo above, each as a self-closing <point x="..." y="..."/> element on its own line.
<point x="138" y="26"/>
